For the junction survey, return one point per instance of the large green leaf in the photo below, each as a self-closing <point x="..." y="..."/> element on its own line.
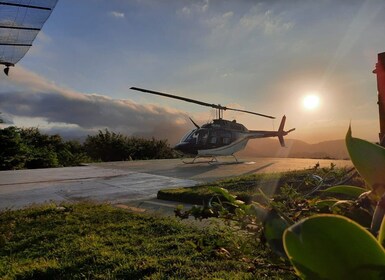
<point x="333" y="247"/>
<point x="274" y="226"/>
<point x="351" y="191"/>
<point x="381" y="233"/>
<point x="369" y="160"/>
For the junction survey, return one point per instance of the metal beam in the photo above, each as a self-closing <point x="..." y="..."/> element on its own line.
<point x="20" y="28"/>
<point x="6" y="63"/>
<point x="15" y="45"/>
<point x="25" y="6"/>
<point x="380" y="72"/>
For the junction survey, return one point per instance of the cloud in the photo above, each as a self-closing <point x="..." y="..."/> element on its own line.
<point x="117" y="14"/>
<point x="268" y="22"/>
<point x="43" y="37"/>
<point x="5" y="119"/>
<point x="236" y="27"/>
<point x="195" y="8"/>
<point x="38" y="98"/>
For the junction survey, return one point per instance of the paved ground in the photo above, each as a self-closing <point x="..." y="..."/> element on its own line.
<point x="133" y="183"/>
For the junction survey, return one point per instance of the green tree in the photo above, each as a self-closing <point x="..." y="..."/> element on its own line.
<point x="110" y="146"/>
<point x="43" y="148"/>
<point x="107" y="146"/>
<point x="72" y="153"/>
<point x="13" y="151"/>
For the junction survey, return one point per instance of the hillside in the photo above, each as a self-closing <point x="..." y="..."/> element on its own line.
<point x="296" y="148"/>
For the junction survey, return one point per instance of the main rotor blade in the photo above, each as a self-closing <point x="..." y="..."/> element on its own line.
<point x="249" y="112"/>
<point x="220" y="107"/>
<point x="179" y="97"/>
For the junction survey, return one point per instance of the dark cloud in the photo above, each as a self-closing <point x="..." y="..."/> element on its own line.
<point x="89" y="113"/>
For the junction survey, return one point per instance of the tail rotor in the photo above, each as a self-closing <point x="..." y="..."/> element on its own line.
<point x="282" y="132"/>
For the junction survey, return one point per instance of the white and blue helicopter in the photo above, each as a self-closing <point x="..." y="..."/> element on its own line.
<point x="220" y="137"/>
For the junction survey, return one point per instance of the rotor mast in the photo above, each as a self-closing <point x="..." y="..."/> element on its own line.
<point x="219" y="112"/>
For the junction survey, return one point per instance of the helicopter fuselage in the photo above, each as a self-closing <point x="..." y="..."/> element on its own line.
<point x="219" y="138"/>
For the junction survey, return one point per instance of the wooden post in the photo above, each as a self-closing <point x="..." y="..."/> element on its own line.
<point x="380" y="72"/>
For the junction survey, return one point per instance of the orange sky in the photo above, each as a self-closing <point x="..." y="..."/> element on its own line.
<point x="257" y="56"/>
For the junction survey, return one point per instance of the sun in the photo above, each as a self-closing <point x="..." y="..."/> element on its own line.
<point x="311" y="102"/>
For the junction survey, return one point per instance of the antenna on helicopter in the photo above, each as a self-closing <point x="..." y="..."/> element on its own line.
<point x="197" y="126"/>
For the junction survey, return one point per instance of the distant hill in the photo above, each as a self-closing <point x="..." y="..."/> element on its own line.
<point x="268" y="147"/>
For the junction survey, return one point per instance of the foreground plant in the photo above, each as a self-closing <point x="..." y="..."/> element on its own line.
<point x="335" y="247"/>
<point x="346" y="243"/>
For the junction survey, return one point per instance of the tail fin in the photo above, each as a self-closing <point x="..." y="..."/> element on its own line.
<point x="281" y="131"/>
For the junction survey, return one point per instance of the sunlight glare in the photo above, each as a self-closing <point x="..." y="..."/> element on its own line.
<point x="311" y="102"/>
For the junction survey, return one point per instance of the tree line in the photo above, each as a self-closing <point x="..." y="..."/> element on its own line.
<point x="28" y="148"/>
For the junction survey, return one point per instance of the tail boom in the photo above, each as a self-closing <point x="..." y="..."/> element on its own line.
<point x="280" y="133"/>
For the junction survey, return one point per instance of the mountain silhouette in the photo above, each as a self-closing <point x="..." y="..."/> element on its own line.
<point x="335" y="149"/>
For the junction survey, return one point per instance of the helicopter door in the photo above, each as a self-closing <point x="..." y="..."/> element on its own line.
<point x="213" y="139"/>
<point x="201" y="137"/>
<point x="226" y="138"/>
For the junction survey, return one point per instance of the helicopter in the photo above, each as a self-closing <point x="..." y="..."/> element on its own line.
<point x="220" y="137"/>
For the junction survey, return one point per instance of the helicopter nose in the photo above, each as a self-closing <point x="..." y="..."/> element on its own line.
<point x="180" y="147"/>
<point x="185" y="148"/>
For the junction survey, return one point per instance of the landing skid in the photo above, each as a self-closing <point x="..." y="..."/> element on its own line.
<point x="213" y="160"/>
<point x="210" y="161"/>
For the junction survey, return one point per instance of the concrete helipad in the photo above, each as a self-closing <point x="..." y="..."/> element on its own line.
<point x="122" y="182"/>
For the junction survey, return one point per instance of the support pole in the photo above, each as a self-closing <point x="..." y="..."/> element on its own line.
<point x="380" y="72"/>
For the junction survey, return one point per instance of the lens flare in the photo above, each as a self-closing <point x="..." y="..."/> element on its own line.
<point x="311" y="102"/>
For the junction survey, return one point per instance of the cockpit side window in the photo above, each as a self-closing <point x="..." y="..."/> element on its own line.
<point x="226" y="137"/>
<point x="226" y="140"/>
<point x="202" y="136"/>
<point x="213" y="137"/>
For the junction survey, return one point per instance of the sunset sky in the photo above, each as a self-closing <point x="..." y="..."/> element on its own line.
<point x="263" y="56"/>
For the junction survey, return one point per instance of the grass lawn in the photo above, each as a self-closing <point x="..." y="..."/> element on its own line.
<point x="247" y="187"/>
<point x="99" y="241"/>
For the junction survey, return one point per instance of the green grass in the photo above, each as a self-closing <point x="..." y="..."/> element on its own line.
<point x="98" y="241"/>
<point x="247" y="187"/>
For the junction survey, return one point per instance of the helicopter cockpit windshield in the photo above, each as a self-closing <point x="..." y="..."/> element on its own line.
<point x="188" y="136"/>
<point x="196" y="137"/>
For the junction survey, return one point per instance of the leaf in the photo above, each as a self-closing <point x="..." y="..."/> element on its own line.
<point x="369" y="160"/>
<point x="225" y="193"/>
<point x="273" y="228"/>
<point x="341" y="206"/>
<point x="333" y="247"/>
<point x="257" y="210"/>
<point x="381" y="233"/>
<point x="351" y="191"/>
<point x="378" y="216"/>
<point x="325" y="203"/>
